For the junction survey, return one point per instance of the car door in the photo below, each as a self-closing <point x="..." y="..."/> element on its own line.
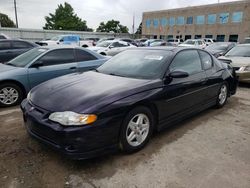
<point x="5" y="51"/>
<point x="213" y="75"/>
<point x="86" y="61"/>
<point x="183" y="95"/>
<point x="54" y="63"/>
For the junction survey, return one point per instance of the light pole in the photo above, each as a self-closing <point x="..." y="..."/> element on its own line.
<point x="15" y="13"/>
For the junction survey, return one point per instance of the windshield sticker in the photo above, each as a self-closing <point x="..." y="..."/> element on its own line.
<point x="153" y="57"/>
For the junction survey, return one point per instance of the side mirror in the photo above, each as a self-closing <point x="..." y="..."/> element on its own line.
<point x="110" y="47"/>
<point x="37" y="64"/>
<point x="178" y="74"/>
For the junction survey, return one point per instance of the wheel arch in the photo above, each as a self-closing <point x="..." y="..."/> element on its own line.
<point x="17" y="83"/>
<point x="151" y="106"/>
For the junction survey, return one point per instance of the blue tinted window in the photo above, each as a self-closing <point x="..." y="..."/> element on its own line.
<point x="156" y="22"/>
<point x="164" y="22"/>
<point x="224" y="18"/>
<point x="171" y="21"/>
<point x="211" y="19"/>
<point x="237" y="17"/>
<point x="180" y="20"/>
<point x="220" y="38"/>
<point x="200" y="19"/>
<point x="148" y="23"/>
<point x="189" y="20"/>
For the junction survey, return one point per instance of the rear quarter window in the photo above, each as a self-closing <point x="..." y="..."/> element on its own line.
<point x="206" y="60"/>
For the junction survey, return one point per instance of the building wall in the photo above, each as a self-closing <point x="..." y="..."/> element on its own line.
<point x="242" y="29"/>
<point x="39" y="34"/>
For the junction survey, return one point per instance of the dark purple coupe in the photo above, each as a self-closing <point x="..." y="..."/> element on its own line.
<point x="119" y="105"/>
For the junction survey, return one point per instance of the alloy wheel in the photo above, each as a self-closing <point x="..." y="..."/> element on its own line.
<point x="8" y="95"/>
<point x="137" y="130"/>
<point x="223" y="94"/>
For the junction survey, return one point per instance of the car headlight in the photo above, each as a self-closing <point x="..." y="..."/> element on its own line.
<point x="28" y="96"/>
<point x="72" y="119"/>
<point x="243" y="69"/>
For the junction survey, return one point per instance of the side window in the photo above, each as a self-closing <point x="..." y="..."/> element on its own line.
<point x="20" y="45"/>
<point x="206" y="60"/>
<point x="115" y="44"/>
<point x="57" y="57"/>
<point x="187" y="61"/>
<point x="82" y="55"/>
<point x="4" y="45"/>
<point x="2" y="37"/>
<point x="123" y="44"/>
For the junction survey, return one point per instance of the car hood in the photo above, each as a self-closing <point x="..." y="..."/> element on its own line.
<point x="5" y="68"/>
<point x="237" y="61"/>
<point x="96" y="48"/>
<point x="86" y="92"/>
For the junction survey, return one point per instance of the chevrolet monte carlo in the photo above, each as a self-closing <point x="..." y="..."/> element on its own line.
<point x="121" y="103"/>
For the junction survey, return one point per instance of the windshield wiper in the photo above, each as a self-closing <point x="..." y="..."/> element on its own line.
<point x="113" y="74"/>
<point x="11" y="64"/>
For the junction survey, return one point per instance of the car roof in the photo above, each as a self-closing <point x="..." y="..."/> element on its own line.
<point x="14" y="40"/>
<point x="52" y="47"/>
<point x="166" y="48"/>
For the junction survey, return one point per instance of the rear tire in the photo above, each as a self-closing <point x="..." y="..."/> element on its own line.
<point x="137" y="128"/>
<point x="10" y="95"/>
<point x="222" y="95"/>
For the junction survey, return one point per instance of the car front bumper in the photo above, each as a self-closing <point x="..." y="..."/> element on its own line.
<point x="244" y="76"/>
<point x="80" y="142"/>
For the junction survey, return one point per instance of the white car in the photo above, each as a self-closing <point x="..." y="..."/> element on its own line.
<point x="111" y="47"/>
<point x="239" y="58"/>
<point x="209" y="41"/>
<point x="197" y="43"/>
<point x="67" y="39"/>
<point x="175" y="42"/>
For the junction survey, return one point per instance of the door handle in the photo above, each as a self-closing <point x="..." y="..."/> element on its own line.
<point x="72" y="68"/>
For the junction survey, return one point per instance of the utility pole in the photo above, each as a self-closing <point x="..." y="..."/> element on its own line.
<point x="16" y="13"/>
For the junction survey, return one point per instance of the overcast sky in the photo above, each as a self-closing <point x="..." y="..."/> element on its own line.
<point x="31" y="13"/>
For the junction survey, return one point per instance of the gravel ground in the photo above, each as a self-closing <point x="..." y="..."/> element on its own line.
<point x="211" y="149"/>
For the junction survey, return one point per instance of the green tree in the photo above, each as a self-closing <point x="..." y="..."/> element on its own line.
<point x="6" y="21"/>
<point x="112" y="26"/>
<point x="139" y="30"/>
<point x="65" y="19"/>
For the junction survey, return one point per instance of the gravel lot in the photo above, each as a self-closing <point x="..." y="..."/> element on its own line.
<point x="211" y="149"/>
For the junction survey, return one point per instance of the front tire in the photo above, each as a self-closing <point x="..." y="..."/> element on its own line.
<point x="10" y="95"/>
<point x="222" y="95"/>
<point x="136" y="129"/>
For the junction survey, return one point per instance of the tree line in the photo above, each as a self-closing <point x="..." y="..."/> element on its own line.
<point x="64" y="18"/>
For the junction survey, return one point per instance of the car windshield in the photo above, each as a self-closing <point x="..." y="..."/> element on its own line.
<point x="189" y="42"/>
<point x="239" y="51"/>
<point x="26" y="58"/>
<point x="56" y="38"/>
<point x="104" y="44"/>
<point x="142" y="64"/>
<point x="217" y="47"/>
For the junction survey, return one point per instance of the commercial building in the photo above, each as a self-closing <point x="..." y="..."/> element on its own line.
<point x="222" y="21"/>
